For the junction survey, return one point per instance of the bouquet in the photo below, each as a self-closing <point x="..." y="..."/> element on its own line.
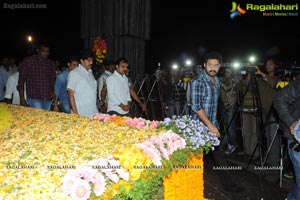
<point x="99" y="49"/>
<point x="194" y="132"/>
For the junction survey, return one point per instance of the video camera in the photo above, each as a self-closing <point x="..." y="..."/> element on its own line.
<point x="291" y="71"/>
<point x="248" y="70"/>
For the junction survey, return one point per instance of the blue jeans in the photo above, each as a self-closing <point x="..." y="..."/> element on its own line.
<point x="230" y="116"/>
<point x="65" y="108"/>
<point x="39" y="103"/>
<point x="173" y="108"/>
<point x="295" y="158"/>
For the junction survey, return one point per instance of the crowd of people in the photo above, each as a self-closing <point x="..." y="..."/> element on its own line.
<point x="252" y="98"/>
<point x="220" y="99"/>
<point x="34" y="82"/>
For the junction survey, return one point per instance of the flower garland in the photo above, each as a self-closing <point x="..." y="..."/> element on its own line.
<point x="5" y="117"/>
<point x="178" y="184"/>
<point x="99" y="49"/>
<point x="74" y="141"/>
<point x="138" y="123"/>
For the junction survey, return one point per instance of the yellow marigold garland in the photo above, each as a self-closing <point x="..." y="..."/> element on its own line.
<point x="186" y="183"/>
<point x="5" y="117"/>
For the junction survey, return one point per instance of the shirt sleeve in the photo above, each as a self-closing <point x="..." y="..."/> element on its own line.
<point x="10" y="86"/>
<point x="52" y="75"/>
<point x="196" y="95"/>
<point x="282" y="101"/>
<point x="57" y="87"/>
<point x="25" y="66"/>
<point x="73" y="79"/>
<point x="101" y="83"/>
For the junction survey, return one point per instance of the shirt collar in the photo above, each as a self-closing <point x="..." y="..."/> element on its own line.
<point x="119" y="75"/>
<point x="108" y="72"/>
<point x="82" y="68"/>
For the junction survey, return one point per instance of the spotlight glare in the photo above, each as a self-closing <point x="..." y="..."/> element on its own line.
<point x="174" y="66"/>
<point x="236" y="65"/>
<point x="252" y="59"/>
<point x="29" y="38"/>
<point x="188" y="62"/>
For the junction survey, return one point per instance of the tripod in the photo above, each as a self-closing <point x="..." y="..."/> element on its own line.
<point x="256" y="111"/>
<point x="140" y="93"/>
<point x="187" y="104"/>
<point x="148" y="94"/>
<point x="273" y="119"/>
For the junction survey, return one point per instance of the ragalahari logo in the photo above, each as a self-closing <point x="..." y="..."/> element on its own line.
<point x="236" y="10"/>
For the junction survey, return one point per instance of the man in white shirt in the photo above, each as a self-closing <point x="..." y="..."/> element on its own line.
<point x="118" y="90"/>
<point x="101" y="82"/>
<point x="12" y="93"/>
<point x="82" y="87"/>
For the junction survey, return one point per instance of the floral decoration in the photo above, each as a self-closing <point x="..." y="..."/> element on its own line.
<point x="99" y="49"/>
<point x="125" y="149"/>
<point x="194" y="132"/>
<point x="5" y="117"/>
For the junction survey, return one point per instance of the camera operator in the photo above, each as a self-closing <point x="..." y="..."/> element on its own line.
<point x="248" y="117"/>
<point x="267" y="89"/>
<point x="287" y="104"/>
<point x="228" y="94"/>
<point x="173" y="92"/>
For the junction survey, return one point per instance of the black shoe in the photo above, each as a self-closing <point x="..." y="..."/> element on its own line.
<point x="230" y="149"/>
<point x="289" y="174"/>
<point x="232" y="187"/>
<point x="240" y="153"/>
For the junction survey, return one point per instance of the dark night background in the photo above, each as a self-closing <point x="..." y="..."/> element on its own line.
<point x="179" y="30"/>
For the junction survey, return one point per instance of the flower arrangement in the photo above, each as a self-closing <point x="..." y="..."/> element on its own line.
<point x="41" y="139"/>
<point x="194" y="132"/>
<point x="5" y="117"/>
<point x="138" y="123"/>
<point x="78" y="184"/>
<point x="71" y="140"/>
<point x="99" y="49"/>
<point x="129" y="164"/>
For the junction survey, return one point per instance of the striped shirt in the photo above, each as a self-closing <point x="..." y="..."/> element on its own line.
<point x="204" y="95"/>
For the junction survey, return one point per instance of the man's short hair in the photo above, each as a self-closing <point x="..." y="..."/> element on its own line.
<point x="72" y="59"/>
<point x="213" y="55"/>
<point x="44" y="44"/>
<point x="85" y="54"/>
<point x="121" y="60"/>
<point x="107" y="63"/>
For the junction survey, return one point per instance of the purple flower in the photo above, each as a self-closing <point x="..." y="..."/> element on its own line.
<point x="167" y="121"/>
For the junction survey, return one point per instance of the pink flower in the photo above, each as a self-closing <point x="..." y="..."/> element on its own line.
<point x="114" y="177"/>
<point x="88" y="174"/>
<point x="133" y="123"/>
<point x="164" y="153"/>
<point x="123" y="174"/>
<point x="99" y="116"/>
<point x="154" y="124"/>
<point x="107" y="119"/>
<point x="140" y="125"/>
<point x="68" y="182"/>
<point x="99" y="185"/>
<point x="80" y="190"/>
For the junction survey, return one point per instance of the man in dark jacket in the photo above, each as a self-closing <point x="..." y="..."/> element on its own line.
<point x="287" y="104"/>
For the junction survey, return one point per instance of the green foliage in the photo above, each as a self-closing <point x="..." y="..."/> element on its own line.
<point x="150" y="185"/>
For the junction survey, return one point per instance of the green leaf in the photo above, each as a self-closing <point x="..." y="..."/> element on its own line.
<point x="26" y="154"/>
